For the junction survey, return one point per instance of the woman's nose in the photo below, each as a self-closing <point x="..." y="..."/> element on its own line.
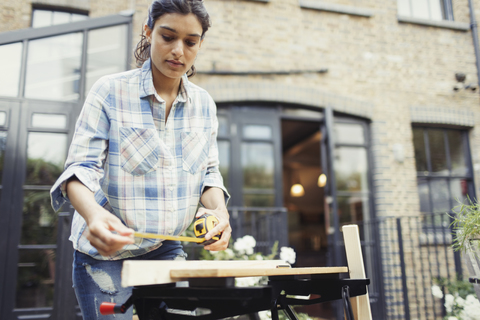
<point x="178" y="49"/>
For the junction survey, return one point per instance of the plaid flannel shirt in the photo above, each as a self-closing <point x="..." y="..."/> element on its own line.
<point x="148" y="173"/>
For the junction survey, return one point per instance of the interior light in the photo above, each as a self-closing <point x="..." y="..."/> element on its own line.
<point x="322" y="180"/>
<point x="297" y="190"/>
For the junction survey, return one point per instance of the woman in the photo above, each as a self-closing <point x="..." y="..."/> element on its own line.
<point x="143" y="155"/>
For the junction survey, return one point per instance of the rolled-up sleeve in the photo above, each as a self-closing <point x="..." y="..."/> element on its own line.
<point x="213" y="178"/>
<point x="88" y="150"/>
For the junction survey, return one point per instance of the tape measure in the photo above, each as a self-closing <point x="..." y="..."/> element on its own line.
<point x="201" y="227"/>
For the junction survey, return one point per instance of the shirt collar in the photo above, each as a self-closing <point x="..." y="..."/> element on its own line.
<point x="147" y="88"/>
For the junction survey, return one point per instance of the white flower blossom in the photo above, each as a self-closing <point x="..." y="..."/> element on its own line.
<point x="245" y="245"/>
<point x="287" y="254"/>
<point x="449" y="301"/>
<point x="247" y="281"/>
<point x="460" y="301"/>
<point x="437" y="292"/>
<point x="229" y="253"/>
<point x="471" y="308"/>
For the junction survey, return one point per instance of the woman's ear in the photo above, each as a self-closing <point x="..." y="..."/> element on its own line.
<point x="148" y="32"/>
<point x="200" y="45"/>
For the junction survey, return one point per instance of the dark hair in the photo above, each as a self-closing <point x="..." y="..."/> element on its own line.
<point x="161" y="7"/>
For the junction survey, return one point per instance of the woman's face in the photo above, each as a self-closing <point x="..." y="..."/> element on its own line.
<point x="175" y="41"/>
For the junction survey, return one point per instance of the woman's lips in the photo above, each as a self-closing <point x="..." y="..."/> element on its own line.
<point x="174" y="63"/>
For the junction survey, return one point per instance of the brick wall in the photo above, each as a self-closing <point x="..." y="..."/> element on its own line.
<point x="393" y="73"/>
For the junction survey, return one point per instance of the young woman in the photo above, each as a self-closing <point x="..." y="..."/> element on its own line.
<point x="143" y="155"/>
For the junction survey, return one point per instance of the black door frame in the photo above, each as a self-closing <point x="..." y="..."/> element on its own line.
<point x="19" y="112"/>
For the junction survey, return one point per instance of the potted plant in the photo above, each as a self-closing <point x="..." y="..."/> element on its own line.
<point x="466" y="237"/>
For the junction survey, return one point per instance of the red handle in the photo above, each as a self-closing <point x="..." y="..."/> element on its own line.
<point x="107" y="308"/>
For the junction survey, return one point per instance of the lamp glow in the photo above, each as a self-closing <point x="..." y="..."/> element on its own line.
<point x="322" y="180"/>
<point x="297" y="190"/>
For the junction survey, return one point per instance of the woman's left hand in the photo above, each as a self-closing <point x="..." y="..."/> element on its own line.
<point x="223" y="227"/>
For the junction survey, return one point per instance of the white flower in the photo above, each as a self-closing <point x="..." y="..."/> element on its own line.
<point x="287" y="254"/>
<point x="472" y="308"/>
<point x="247" y="281"/>
<point x="265" y="315"/>
<point x="437" y="292"/>
<point x="229" y="253"/>
<point x="460" y="301"/>
<point x="258" y="257"/>
<point x="245" y="245"/>
<point x="452" y="318"/>
<point x="449" y="301"/>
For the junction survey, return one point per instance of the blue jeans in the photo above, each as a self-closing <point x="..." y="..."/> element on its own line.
<point x="96" y="281"/>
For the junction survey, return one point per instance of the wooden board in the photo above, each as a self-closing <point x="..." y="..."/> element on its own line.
<point x="353" y="249"/>
<point x="138" y="272"/>
<point x="253" y="272"/>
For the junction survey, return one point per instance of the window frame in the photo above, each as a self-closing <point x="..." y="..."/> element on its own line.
<point x="446" y="8"/>
<point x="52" y="9"/>
<point x="428" y="176"/>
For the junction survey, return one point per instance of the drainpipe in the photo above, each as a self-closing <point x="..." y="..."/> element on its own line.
<point x="473" y="26"/>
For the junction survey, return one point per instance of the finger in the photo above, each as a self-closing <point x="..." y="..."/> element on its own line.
<point x="219" y="228"/>
<point x="221" y="244"/>
<point x="200" y="212"/>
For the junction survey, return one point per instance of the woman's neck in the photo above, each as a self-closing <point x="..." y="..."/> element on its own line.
<point x="165" y="87"/>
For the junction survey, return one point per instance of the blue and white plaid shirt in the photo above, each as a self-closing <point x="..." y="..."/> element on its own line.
<point x="147" y="172"/>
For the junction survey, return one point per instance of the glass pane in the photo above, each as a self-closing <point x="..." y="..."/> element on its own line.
<point x="310" y="114"/>
<point x="404" y="8"/>
<point x="436" y="140"/>
<point x="459" y="189"/>
<point x="107" y="53"/>
<point x="3" y="118"/>
<point x="224" y="157"/>
<point x="424" y="195"/>
<point x="351" y="209"/>
<point x="351" y="169"/>
<point x="257" y="132"/>
<point x="457" y="153"/>
<point x="39" y="224"/>
<point x="436" y="12"/>
<point x="10" y="65"/>
<point x="52" y="121"/>
<point x="258" y="165"/>
<point x="78" y="17"/>
<point x="419" y="146"/>
<point x="41" y="18"/>
<point x="258" y="200"/>
<point x="3" y="147"/>
<point x="35" y="280"/>
<point x="349" y="133"/>
<point x="61" y="17"/>
<point x="53" y="67"/>
<point x="46" y="157"/>
<point x="420" y="9"/>
<point x="223" y="126"/>
<point x="440" y="196"/>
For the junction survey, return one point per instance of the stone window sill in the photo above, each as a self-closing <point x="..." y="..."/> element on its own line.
<point x="461" y="26"/>
<point x="337" y="8"/>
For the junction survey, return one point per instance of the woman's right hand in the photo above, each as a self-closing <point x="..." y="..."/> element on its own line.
<point x="105" y="231"/>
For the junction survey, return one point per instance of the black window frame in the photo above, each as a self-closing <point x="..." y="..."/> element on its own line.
<point x="429" y="176"/>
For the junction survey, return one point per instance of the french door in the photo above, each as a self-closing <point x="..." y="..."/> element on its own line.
<point x="36" y="254"/>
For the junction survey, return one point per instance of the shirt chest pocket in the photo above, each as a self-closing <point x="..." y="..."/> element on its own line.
<point x="139" y="150"/>
<point x="194" y="151"/>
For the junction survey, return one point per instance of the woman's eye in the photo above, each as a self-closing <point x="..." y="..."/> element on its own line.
<point x="191" y="43"/>
<point x="167" y="38"/>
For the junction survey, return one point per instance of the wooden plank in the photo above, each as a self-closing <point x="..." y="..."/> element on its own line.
<point x="138" y="272"/>
<point x="183" y="274"/>
<point x="356" y="269"/>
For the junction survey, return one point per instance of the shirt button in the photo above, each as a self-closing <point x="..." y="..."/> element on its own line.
<point x="170" y="231"/>
<point x="171" y="188"/>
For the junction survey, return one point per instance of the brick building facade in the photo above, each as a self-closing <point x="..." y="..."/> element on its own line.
<point x="363" y="59"/>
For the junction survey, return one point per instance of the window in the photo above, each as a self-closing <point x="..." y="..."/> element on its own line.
<point x="425" y="9"/>
<point x="444" y="172"/>
<point x="45" y="17"/>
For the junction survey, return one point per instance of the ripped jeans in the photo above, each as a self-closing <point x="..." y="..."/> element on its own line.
<point x="96" y="281"/>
